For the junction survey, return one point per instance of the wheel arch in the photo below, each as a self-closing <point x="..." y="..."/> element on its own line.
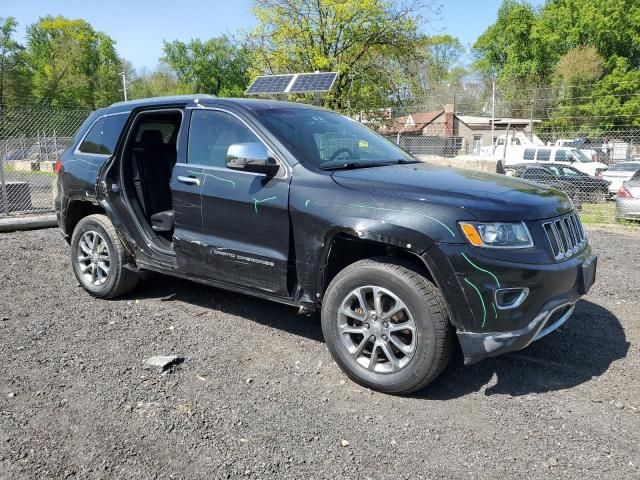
<point x="345" y="248"/>
<point x="76" y="210"/>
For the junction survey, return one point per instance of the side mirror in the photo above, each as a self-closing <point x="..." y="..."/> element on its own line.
<point x="251" y="157"/>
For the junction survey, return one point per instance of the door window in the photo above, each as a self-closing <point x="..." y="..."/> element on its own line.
<point x="570" y="172"/>
<point x="562" y="156"/>
<point x="210" y="135"/>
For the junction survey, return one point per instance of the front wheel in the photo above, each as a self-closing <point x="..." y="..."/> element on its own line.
<point x="386" y="326"/>
<point x="98" y="258"/>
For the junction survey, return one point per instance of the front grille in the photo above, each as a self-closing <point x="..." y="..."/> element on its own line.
<point x="566" y="236"/>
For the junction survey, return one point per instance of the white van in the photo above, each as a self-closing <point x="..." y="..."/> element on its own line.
<point x="540" y="154"/>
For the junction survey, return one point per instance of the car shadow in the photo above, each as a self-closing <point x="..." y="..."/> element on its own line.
<point x="265" y="312"/>
<point x="583" y="348"/>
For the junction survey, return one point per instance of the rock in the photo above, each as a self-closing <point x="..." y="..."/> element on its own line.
<point x="344" y="443"/>
<point x="619" y="405"/>
<point x="162" y="362"/>
<point x="552" y="462"/>
<point x="249" y="380"/>
<point x="11" y="394"/>
<point x="4" y="319"/>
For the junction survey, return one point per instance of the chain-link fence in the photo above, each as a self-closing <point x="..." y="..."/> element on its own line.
<point x="31" y="140"/>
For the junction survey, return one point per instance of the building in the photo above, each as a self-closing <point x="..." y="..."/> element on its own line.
<point x="473" y="132"/>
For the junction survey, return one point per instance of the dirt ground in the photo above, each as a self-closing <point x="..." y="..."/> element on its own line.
<point x="258" y="395"/>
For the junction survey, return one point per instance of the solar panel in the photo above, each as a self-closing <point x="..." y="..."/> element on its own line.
<point x="295" y="83"/>
<point x="313" y="82"/>
<point x="269" y="84"/>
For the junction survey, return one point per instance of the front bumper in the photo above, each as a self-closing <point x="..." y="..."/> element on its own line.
<point x="478" y="346"/>
<point x="487" y="329"/>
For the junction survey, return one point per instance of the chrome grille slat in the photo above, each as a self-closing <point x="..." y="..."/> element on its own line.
<point x="566" y="236"/>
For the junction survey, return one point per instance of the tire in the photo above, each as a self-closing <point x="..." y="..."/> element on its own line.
<point x="99" y="258"/>
<point x="345" y="333"/>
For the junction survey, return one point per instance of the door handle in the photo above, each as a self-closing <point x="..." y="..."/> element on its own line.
<point x="189" y="180"/>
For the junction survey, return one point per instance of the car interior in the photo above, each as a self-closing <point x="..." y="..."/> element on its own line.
<point x="147" y="165"/>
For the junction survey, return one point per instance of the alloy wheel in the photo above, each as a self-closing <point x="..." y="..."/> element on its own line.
<point x="377" y="329"/>
<point x="94" y="258"/>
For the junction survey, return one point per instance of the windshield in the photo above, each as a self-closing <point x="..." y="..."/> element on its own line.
<point x="328" y="140"/>
<point x="581" y="157"/>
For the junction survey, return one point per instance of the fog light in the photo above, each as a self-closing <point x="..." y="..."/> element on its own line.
<point x="507" y="298"/>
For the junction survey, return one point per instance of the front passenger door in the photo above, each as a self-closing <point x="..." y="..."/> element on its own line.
<point x="244" y="215"/>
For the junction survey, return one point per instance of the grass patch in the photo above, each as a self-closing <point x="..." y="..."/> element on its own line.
<point x="9" y="169"/>
<point x="604" y="214"/>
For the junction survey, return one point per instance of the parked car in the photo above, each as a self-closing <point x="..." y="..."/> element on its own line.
<point x="539" y="174"/>
<point x="539" y="154"/>
<point x="309" y="208"/>
<point x="628" y="200"/>
<point x="578" y="185"/>
<point x="619" y="173"/>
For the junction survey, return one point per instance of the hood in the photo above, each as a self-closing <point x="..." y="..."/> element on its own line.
<point x="591" y="167"/>
<point x="489" y="197"/>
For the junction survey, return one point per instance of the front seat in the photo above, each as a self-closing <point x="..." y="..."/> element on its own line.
<point x="154" y="164"/>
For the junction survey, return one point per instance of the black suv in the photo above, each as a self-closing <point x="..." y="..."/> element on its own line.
<point x="307" y="207"/>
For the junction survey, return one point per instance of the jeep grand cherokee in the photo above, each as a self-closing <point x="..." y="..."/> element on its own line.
<point x="307" y="207"/>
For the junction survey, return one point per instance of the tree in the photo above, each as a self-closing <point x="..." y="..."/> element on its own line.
<point x="159" y="82"/>
<point x="615" y="102"/>
<point x="10" y="51"/>
<point x="610" y="26"/>
<point x="509" y="52"/>
<point x="215" y="66"/>
<point x="71" y="64"/>
<point x="366" y="41"/>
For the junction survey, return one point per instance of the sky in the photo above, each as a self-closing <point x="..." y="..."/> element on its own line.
<point x="140" y="26"/>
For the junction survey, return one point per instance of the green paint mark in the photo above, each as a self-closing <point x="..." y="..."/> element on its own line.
<point x="405" y="211"/>
<point x="495" y="312"/>
<point x="484" y="307"/>
<point x="481" y="269"/>
<point x="256" y="202"/>
<point x="206" y="175"/>
<point x="306" y="204"/>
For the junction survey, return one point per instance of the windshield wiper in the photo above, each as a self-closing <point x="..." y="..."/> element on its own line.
<point x="354" y="165"/>
<point x="404" y="161"/>
<point x="351" y="166"/>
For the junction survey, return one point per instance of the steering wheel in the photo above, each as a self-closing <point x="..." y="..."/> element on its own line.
<point x="339" y="152"/>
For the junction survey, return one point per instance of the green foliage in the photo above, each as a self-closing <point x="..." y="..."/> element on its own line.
<point x="587" y="50"/>
<point x="10" y="61"/>
<point x="366" y="41"/>
<point x="160" y="82"/>
<point x="215" y="66"/>
<point x="71" y="64"/>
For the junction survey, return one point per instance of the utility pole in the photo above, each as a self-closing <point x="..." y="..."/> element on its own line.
<point x="493" y="113"/>
<point x="123" y="74"/>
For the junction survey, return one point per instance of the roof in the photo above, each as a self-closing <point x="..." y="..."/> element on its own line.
<point x="412" y="123"/>
<point x="478" y="120"/>
<point x="204" y="99"/>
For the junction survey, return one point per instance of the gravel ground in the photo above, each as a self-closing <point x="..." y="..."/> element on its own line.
<point x="258" y="396"/>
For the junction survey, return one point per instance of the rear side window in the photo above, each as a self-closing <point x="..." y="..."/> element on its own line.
<point x="103" y="135"/>
<point x="544" y="155"/>
<point x="529" y="154"/>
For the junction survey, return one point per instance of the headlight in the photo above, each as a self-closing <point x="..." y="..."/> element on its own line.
<point x="497" y="235"/>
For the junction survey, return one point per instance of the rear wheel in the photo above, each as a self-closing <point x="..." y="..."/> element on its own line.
<point x="386" y="326"/>
<point x="98" y="258"/>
